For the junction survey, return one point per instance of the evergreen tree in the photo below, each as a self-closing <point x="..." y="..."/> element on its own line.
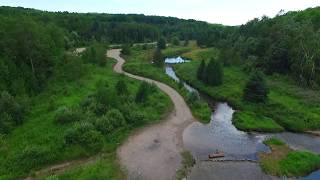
<point x="256" y="89"/>
<point x="142" y="93"/>
<point x="162" y="44"/>
<point x="213" y="73"/>
<point x="175" y="41"/>
<point x="158" y="58"/>
<point x="126" y="49"/>
<point x="201" y="70"/>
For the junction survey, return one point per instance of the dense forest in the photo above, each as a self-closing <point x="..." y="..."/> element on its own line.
<point x="287" y="44"/>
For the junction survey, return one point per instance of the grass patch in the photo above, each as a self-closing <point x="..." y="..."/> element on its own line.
<point x="139" y="63"/>
<point x="187" y="163"/>
<point x="249" y="121"/>
<point x="292" y="107"/>
<point x="283" y="161"/>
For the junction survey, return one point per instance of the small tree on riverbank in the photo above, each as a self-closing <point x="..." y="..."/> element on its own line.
<point x="256" y="89"/>
<point x="201" y="70"/>
<point x="158" y="59"/>
<point x="162" y="44"/>
<point x="213" y="73"/>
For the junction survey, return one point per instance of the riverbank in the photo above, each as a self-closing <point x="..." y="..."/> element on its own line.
<point x="291" y="107"/>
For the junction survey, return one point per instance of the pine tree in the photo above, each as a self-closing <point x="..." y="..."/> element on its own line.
<point x="142" y="93"/>
<point x="162" y="43"/>
<point x="201" y="70"/>
<point x="256" y="89"/>
<point x="213" y="73"/>
<point x="158" y="58"/>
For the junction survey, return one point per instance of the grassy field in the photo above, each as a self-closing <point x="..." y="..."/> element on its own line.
<point x="40" y="140"/>
<point x="139" y="63"/>
<point x="283" y="161"/>
<point x="289" y="107"/>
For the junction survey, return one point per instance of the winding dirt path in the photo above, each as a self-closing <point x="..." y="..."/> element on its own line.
<point x="154" y="152"/>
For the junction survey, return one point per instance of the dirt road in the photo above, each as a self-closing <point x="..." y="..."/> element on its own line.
<point x="154" y="152"/>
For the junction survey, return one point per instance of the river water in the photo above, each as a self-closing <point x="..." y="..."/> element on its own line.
<point x="220" y="134"/>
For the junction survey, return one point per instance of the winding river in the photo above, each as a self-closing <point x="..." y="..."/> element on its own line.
<point x="241" y="149"/>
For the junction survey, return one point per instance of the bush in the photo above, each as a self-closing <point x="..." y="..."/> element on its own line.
<point x="85" y="135"/>
<point x="176" y="41"/>
<point x="67" y="115"/>
<point x="193" y="97"/>
<point x="31" y="157"/>
<point x="111" y="121"/>
<point x="126" y="49"/>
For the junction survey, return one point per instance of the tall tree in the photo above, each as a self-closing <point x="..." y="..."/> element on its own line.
<point x="213" y="73"/>
<point x="201" y="70"/>
<point x="256" y="89"/>
<point x="158" y="59"/>
<point x="162" y="44"/>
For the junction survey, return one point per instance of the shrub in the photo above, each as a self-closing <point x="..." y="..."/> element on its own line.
<point x="126" y="49"/>
<point x="111" y="121"/>
<point x="67" y="115"/>
<point x="176" y="41"/>
<point x="85" y="135"/>
<point x="193" y="97"/>
<point x="30" y="157"/>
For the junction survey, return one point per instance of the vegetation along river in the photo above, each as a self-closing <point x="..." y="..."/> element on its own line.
<point x="241" y="149"/>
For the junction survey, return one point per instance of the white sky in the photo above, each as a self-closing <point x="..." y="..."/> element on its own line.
<point x="228" y="12"/>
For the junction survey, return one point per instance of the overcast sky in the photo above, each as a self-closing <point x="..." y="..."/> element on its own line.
<point x="228" y="12"/>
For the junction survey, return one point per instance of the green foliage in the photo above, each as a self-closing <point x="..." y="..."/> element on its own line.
<point x="290" y="106"/>
<point x="138" y="63"/>
<point x="249" y="121"/>
<point x="95" y="54"/>
<point x="158" y="58"/>
<point x="143" y="92"/>
<point x="273" y="141"/>
<point x="299" y="163"/>
<point x="162" y="44"/>
<point x="201" y="70"/>
<point x="213" y="73"/>
<point x="187" y="163"/>
<point x="175" y="41"/>
<point x="30" y="52"/>
<point x="256" y="89"/>
<point x="11" y="112"/>
<point x="85" y="135"/>
<point x="110" y="122"/>
<point x="121" y="88"/>
<point x="125" y="50"/>
<point x="30" y="157"/>
<point x="67" y="115"/>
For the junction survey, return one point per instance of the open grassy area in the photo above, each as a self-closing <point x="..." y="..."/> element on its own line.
<point x="292" y="107"/>
<point x="40" y="141"/>
<point x="283" y="161"/>
<point x="139" y="62"/>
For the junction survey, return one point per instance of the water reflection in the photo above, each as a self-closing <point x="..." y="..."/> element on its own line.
<point x="221" y="135"/>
